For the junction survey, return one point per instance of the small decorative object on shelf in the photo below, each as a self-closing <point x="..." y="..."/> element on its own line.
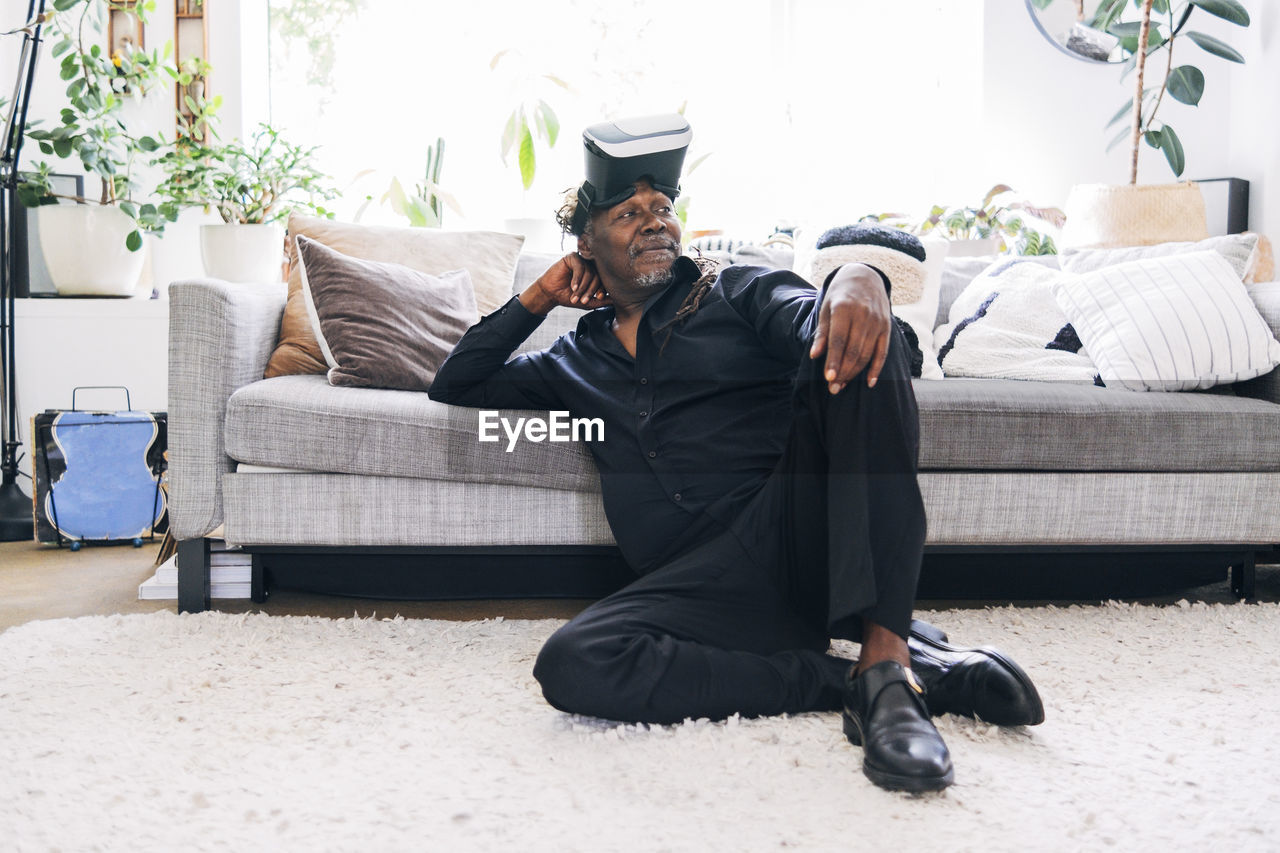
<point x="191" y="92"/>
<point x="126" y="30"/>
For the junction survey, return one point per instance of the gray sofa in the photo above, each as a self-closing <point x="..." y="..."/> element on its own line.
<point x="291" y="464"/>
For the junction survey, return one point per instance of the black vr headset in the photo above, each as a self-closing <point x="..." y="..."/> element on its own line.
<point x="619" y="153"/>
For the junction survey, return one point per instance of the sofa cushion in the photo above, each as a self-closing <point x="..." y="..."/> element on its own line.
<point x="1006" y="424"/>
<point x="958" y="272"/>
<point x="382" y="325"/>
<point x="1239" y="250"/>
<point x="915" y="283"/>
<point x="304" y="423"/>
<point x="561" y="319"/>
<point x="1172" y="323"/>
<point x="489" y="257"/>
<point x="1007" y="325"/>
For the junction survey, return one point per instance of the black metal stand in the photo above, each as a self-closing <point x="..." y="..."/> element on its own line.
<point x="15" y="507"/>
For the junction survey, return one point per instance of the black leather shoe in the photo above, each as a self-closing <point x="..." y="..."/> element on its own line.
<point x="927" y="630"/>
<point x="885" y="714"/>
<point x="980" y="682"/>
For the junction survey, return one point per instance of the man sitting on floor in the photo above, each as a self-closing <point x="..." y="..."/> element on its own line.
<point x="758" y="469"/>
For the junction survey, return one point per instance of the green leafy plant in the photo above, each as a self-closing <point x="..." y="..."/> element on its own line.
<point x="690" y="166"/>
<point x="1157" y="24"/>
<point x="249" y="184"/>
<point x="1001" y="215"/>
<point x="683" y="202"/>
<point x="93" y="129"/>
<point x="424" y="207"/>
<point x="532" y="120"/>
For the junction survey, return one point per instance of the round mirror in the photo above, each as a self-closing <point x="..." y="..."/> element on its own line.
<point x="1101" y="30"/>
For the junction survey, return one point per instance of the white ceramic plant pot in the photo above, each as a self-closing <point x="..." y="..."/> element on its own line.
<point x="243" y="253"/>
<point x="974" y="247"/>
<point x="541" y="234"/>
<point x="84" y="250"/>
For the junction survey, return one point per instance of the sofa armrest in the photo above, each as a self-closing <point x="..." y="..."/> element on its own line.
<point x="220" y="337"/>
<point x="1266" y="295"/>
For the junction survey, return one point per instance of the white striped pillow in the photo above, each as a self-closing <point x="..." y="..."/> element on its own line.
<point x="1169" y="324"/>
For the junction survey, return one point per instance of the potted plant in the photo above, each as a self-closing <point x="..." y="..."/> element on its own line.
<point x="424" y="207"/>
<point x="999" y="224"/>
<point x="996" y="226"/>
<point x="1100" y="215"/>
<point x="531" y="124"/>
<point x="530" y="121"/>
<point x="91" y="246"/>
<point x="252" y="187"/>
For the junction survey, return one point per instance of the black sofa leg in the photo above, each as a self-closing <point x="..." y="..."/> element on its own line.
<point x="258" y="581"/>
<point x="193" y="575"/>
<point x="1244" y="576"/>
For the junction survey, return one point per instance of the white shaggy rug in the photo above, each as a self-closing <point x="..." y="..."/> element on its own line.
<point x="238" y="732"/>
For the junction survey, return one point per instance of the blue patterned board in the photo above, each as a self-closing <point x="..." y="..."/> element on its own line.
<point x="99" y="482"/>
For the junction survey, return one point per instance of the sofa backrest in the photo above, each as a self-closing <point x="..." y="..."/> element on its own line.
<point x="529" y="266"/>
<point x="956" y="274"/>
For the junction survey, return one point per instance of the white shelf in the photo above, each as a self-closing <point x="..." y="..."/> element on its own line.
<point x="64" y="307"/>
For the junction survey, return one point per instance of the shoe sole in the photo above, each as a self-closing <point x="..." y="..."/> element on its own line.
<point x="1020" y="675"/>
<point x="894" y="781"/>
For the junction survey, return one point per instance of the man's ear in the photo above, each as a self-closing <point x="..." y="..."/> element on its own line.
<point x="584" y="247"/>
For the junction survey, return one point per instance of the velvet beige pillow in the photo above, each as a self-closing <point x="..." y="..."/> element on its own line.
<point x="489" y="257"/>
<point x="382" y="325"/>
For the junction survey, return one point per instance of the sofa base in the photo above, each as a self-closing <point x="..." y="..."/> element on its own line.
<point x="425" y="573"/>
<point x="1038" y="571"/>
<point x="458" y="573"/>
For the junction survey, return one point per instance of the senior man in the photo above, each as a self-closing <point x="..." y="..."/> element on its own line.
<point x="758" y="469"/>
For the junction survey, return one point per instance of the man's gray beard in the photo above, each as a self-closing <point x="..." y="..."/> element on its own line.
<point x="656" y="279"/>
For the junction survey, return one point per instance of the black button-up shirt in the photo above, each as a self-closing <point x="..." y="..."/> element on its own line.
<point x="693" y="424"/>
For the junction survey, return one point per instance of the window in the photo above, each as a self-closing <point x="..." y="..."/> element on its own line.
<point x="809" y="110"/>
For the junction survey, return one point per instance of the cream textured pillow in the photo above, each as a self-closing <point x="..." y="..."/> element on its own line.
<point x="382" y="325"/>
<point x="1169" y="324"/>
<point x="915" y="285"/>
<point x="488" y="256"/>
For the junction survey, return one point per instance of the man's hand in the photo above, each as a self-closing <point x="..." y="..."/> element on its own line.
<point x="571" y="281"/>
<point x="853" y="326"/>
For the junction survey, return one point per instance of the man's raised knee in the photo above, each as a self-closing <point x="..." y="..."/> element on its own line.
<point x="561" y="669"/>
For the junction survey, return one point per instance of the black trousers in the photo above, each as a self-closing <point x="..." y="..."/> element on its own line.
<point x="739" y="619"/>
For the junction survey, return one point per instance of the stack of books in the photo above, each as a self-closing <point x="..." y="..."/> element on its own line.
<point x="230" y="575"/>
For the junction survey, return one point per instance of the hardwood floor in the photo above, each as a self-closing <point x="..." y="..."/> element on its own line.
<point x="45" y="582"/>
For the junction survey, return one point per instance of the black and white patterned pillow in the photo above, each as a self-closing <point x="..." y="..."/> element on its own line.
<point x="1007" y="325"/>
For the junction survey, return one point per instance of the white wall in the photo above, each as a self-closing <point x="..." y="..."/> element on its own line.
<point x="1255" y="118"/>
<point x="1041" y="127"/>
<point x="1044" y="113"/>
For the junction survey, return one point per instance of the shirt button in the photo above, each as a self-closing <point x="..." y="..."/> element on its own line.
<point x="676" y="497"/>
<point x="644" y="381"/>
<point x="652" y="453"/>
<point x="644" y="414"/>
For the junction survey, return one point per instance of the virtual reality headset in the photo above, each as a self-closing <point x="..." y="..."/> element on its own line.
<point x="619" y="153"/>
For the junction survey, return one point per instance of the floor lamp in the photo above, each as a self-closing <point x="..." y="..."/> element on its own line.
<point x="15" y="507"/>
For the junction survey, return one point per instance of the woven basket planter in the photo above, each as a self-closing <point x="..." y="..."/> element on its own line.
<point x="1110" y="216"/>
